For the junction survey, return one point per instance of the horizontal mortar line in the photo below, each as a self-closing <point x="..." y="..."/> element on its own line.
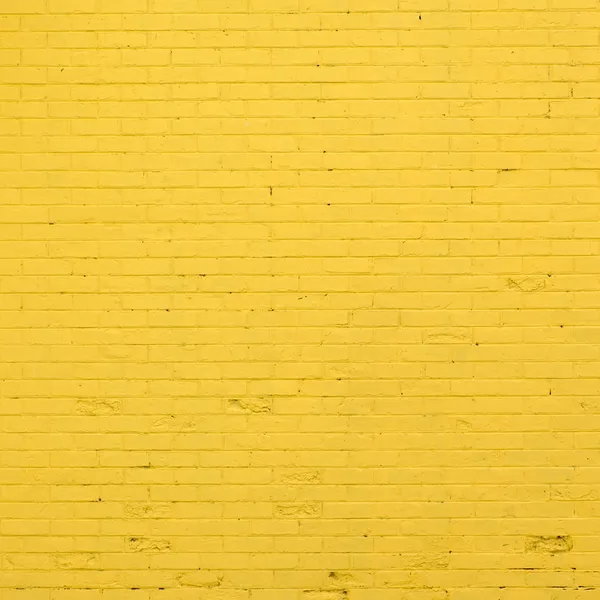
<point x="419" y="25"/>
<point x="317" y="27"/>
<point x="319" y="100"/>
<point x="274" y="502"/>
<point x="389" y="66"/>
<point x="269" y="467"/>
<point x="347" y="381"/>
<point x="415" y="205"/>
<point x="398" y="379"/>
<point x="322" y="136"/>
<point x="349" y="169"/>
<point x="310" y="63"/>
<point x="265" y="222"/>
<point x="107" y="453"/>
<point x="347" y="503"/>
<point x="189" y="469"/>
<point x="294" y="82"/>
<point x="368" y="26"/>
<point x="284" y="431"/>
<point x="306" y="345"/>
<point x="355" y="365"/>
<point x="378" y="119"/>
<point x="356" y="64"/>
<point x="307" y="256"/>
<point x="195" y="205"/>
<point x="308" y="12"/>
<point x="507" y="189"/>
<point x="365" y="121"/>
<point x="264" y="170"/>
<point x="405" y="396"/>
<point x="299" y="152"/>
<point x="305" y="67"/>
<point x="328" y="64"/>
<point x="358" y="309"/>
<point x="294" y="240"/>
<point x="328" y="415"/>
<point x="214" y="41"/>
<point x="299" y="361"/>
<point x="317" y="344"/>
<point x="199" y="66"/>
<point x="313" y="82"/>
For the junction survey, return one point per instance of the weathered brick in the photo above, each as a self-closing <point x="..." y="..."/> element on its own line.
<point x="298" y="299"/>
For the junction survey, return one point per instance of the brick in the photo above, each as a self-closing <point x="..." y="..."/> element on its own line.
<point x="299" y="299"/>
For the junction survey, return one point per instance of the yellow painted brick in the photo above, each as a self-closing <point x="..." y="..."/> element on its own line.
<point x="298" y="299"/>
<point x="145" y="57"/>
<point x="125" y="6"/>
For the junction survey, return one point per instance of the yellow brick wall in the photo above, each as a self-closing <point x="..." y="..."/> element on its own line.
<point x="299" y="300"/>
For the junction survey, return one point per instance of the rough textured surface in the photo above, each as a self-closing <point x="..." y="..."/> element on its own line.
<point x="299" y="299"/>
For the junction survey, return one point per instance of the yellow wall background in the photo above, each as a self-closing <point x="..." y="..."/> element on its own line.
<point x="299" y="300"/>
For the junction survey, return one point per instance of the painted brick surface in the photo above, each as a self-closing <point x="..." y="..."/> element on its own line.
<point x="299" y="300"/>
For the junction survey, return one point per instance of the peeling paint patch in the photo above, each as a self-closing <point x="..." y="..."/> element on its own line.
<point x="554" y="544"/>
